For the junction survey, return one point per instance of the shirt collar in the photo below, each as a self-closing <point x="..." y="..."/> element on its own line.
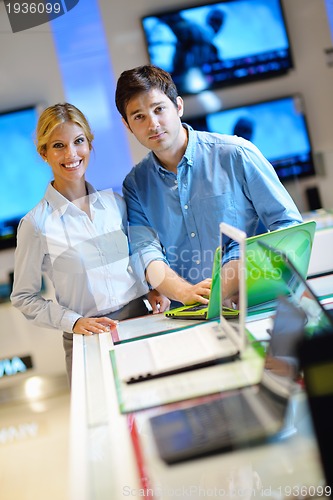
<point x="189" y="152"/>
<point x="190" y="149"/>
<point x="94" y="196"/>
<point x="58" y="202"/>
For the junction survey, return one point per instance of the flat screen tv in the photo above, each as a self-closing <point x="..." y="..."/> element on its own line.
<point x="277" y="127"/>
<point x="23" y="174"/>
<point x="219" y="44"/>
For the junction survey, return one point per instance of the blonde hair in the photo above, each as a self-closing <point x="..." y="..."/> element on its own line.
<point x="53" y="116"/>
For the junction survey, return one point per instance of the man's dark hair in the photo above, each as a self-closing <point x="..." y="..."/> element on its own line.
<point x="143" y="79"/>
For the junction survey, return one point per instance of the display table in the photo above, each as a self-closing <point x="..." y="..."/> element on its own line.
<point x="104" y="465"/>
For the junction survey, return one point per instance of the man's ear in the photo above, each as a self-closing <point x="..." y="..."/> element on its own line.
<point x="180" y="106"/>
<point x="126" y="124"/>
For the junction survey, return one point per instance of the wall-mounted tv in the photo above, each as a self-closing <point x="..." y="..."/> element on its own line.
<point x="219" y="44"/>
<point x="24" y="176"/>
<point x="278" y="127"/>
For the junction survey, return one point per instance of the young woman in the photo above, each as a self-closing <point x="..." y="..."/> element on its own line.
<point x="77" y="236"/>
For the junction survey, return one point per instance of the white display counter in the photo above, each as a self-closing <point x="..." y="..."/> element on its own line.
<point x="104" y="464"/>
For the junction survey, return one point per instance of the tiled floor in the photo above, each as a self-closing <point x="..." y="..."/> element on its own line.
<point x="34" y="444"/>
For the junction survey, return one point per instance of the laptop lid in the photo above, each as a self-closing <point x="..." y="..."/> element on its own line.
<point x="261" y="280"/>
<point x="317" y="319"/>
<point x="287" y="331"/>
<point x="213" y="308"/>
<point x="233" y="283"/>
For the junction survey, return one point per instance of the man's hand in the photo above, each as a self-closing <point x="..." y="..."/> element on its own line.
<point x="200" y="292"/>
<point x="168" y="283"/>
<point x="158" y="302"/>
<point x="89" y="326"/>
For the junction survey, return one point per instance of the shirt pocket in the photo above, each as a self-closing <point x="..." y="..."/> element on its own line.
<point x="215" y="209"/>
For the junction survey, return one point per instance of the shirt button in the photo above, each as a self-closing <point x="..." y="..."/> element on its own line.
<point x="197" y="262"/>
<point x="193" y="235"/>
<point x="186" y="207"/>
<point x="176" y="182"/>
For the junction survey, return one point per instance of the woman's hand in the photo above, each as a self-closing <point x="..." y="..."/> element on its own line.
<point x="158" y="302"/>
<point x="89" y="326"/>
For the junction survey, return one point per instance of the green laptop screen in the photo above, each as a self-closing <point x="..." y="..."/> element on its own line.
<point x="264" y="283"/>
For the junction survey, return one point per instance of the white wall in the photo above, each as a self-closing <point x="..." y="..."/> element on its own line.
<point x="29" y="70"/>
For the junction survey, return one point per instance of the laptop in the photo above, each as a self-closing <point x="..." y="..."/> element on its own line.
<point x="231" y="420"/>
<point x="314" y="354"/>
<point x="204" y="311"/>
<point x="316" y="318"/>
<point x="195" y="347"/>
<point x="256" y="414"/>
<point x="295" y="241"/>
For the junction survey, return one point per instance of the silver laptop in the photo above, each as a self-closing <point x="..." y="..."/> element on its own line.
<point x="199" y="346"/>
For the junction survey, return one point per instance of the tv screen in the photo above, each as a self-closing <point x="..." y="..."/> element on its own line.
<point x="24" y="176"/>
<point x="219" y="44"/>
<point x="277" y="127"/>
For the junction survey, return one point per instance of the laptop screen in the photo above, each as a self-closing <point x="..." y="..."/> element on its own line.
<point x="262" y="279"/>
<point x="232" y="273"/>
<point x="316" y="318"/>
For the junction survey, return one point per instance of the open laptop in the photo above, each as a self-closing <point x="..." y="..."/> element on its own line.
<point x="203" y="311"/>
<point x="317" y="318"/>
<point x="314" y="354"/>
<point x="202" y="345"/>
<point x="252" y="415"/>
<point x="263" y="285"/>
<point x="302" y="308"/>
<point x="231" y="420"/>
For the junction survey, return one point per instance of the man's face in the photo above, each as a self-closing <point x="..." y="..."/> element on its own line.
<point x="155" y="121"/>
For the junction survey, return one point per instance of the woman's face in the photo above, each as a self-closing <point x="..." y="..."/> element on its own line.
<point x="67" y="153"/>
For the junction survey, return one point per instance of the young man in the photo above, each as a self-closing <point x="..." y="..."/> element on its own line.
<point x="187" y="184"/>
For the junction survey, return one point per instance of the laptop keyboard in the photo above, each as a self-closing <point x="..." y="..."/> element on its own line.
<point x="189" y="347"/>
<point x="196" y="308"/>
<point x="221" y="419"/>
<point x="215" y="426"/>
